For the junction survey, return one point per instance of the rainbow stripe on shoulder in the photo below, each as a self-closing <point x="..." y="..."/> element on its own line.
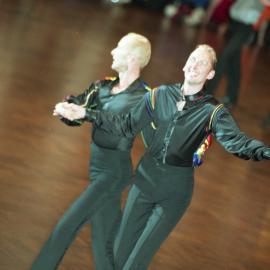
<point x="110" y="78"/>
<point x="148" y="88"/>
<point x="153" y="98"/>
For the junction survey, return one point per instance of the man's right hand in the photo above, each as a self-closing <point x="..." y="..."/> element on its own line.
<point x="69" y="111"/>
<point x="59" y="109"/>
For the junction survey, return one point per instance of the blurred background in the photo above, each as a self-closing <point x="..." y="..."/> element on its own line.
<point x="52" y="48"/>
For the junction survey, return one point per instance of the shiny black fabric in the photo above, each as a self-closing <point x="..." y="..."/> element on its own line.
<point x="99" y="96"/>
<point x="180" y="133"/>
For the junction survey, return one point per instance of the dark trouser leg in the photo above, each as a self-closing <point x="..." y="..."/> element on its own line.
<point x="69" y="225"/>
<point x="115" y="167"/>
<point x="229" y="60"/>
<point x="233" y="71"/>
<point x="103" y="225"/>
<point x="234" y="74"/>
<point x="222" y="61"/>
<point x="137" y="211"/>
<point x="148" y="220"/>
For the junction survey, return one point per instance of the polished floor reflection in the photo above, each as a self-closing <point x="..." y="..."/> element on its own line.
<point x="49" y="49"/>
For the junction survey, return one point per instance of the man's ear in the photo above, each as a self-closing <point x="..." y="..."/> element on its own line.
<point x="211" y="75"/>
<point x="131" y="57"/>
<point x="133" y="60"/>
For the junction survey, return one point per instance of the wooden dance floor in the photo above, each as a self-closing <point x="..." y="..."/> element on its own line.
<point x="49" y="49"/>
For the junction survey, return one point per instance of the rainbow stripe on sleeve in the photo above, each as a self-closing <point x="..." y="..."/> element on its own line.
<point x="198" y="155"/>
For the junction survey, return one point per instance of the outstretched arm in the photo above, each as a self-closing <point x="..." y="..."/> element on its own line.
<point x="235" y="141"/>
<point x="126" y="125"/>
<point x="86" y="100"/>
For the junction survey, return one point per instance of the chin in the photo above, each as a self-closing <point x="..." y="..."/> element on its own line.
<point x="193" y="81"/>
<point x="115" y="67"/>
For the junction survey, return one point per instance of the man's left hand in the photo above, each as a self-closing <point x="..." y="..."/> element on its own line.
<point x="70" y="111"/>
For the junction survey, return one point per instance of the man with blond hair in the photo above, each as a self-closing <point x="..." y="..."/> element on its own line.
<point x="110" y="165"/>
<point x="185" y="119"/>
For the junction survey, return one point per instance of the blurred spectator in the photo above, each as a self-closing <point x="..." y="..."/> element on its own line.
<point x="192" y="12"/>
<point x="267" y="35"/>
<point x="264" y="19"/>
<point x="218" y="13"/>
<point x="156" y="5"/>
<point x="262" y="26"/>
<point x="243" y="14"/>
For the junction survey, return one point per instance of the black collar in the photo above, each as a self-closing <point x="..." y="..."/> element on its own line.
<point x="138" y="83"/>
<point x="195" y="97"/>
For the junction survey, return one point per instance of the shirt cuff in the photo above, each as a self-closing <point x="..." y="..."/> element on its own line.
<point x="266" y="153"/>
<point x="91" y="115"/>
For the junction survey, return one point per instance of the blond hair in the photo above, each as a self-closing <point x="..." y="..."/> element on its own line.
<point x="141" y="47"/>
<point x="211" y="52"/>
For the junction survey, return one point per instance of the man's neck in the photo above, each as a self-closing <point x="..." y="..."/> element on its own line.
<point x="126" y="79"/>
<point x="191" y="89"/>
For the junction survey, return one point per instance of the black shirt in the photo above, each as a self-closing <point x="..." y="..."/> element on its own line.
<point x="180" y="133"/>
<point x="99" y="96"/>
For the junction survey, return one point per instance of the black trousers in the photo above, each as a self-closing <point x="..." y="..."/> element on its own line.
<point x="115" y="170"/>
<point x="229" y="60"/>
<point x="156" y="202"/>
<point x="99" y="203"/>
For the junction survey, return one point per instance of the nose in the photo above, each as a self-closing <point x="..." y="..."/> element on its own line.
<point x="112" y="51"/>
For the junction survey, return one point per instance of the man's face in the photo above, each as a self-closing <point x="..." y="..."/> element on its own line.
<point x="198" y="67"/>
<point x="121" y="54"/>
